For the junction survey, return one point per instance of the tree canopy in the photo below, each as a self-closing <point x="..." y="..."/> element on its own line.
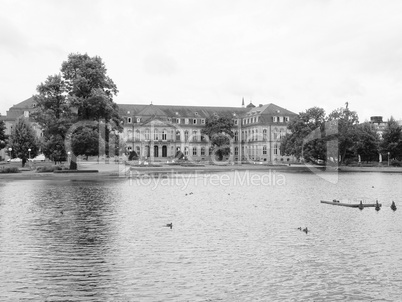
<point x="22" y="139"/>
<point x="81" y="92"/>
<point x="219" y="131"/>
<point x="392" y="139"/>
<point x="306" y="138"/>
<point x="3" y="136"/>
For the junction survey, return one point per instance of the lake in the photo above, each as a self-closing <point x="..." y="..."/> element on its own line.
<point x="235" y="237"/>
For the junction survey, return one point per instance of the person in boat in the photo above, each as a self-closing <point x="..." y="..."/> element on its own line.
<point x="361" y="207"/>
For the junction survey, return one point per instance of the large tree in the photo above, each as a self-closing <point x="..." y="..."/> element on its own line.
<point x="3" y="136"/>
<point x="306" y="138"/>
<point x="219" y="131"/>
<point x="81" y="93"/>
<point x="366" y="142"/>
<point x="392" y="139"/>
<point x="23" y="139"/>
<point x="345" y="121"/>
<point x="55" y="116"/>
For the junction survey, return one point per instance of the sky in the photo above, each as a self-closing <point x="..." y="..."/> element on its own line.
<point x="296" y="54"/>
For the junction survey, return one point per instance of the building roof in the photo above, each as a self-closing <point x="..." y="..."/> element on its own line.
<point x="28" y="103"/>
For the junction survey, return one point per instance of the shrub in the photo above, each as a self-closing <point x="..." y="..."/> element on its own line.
<point x="42" y="169"/>
<point x="395" y="163"/>
<point x="10" y="170"/>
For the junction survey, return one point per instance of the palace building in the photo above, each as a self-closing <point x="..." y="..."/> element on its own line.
<point x="158" y="132"/>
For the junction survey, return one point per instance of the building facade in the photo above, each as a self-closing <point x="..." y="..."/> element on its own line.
<point x="158" y="132"/>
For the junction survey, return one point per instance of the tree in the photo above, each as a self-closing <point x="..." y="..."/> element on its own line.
<point x="55" y="116"/>
<point x="86" y="141"/>
<point x="346" y="123"/>
<point x="392" y="139"/>
<point x="219" y="131"/>
<point x="81" y="93"/>
<point x="366" y="142"/>
<point x="3" y="136"/>
<point x="22" y="139"/>
<point x="306" y="138"/>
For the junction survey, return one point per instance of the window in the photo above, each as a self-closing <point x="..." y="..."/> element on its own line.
<point x="202" y="151"/>
<point x="186" y="151"/>
<point x="236" y="136"/>
<point x="196" y="113"/>
<point x="286" y="119"/>
<point x="137" y="135"/>
<point x="129" y="120"/>
<point x="186" y="136"/>
<point x="178" y="121"/>
<point x="235" y="122"/>
<point x="236" y="151"/>
<point x="186" y="121"/>
<point x="203" y="121"/>
<point x="156" y="134"/>
<point x="194" y="150"/>
<point x="169" y="119"/>
<point x="281" y="119"/>
<point x="194" y="136"/>
<point x="178" y="136"/>
<point x="275" y="119"/>
<point x="164" y="135"/>
<point x="147" y="135"/>
<point x="194" y="121"/>
<point x="26" y="113"/>
<point x="264" y="135"/>
<point x="138" y="119"/>
<point x="276" y="149"/>
<point x="128" y="112"/>
<point x="264" y="150"/>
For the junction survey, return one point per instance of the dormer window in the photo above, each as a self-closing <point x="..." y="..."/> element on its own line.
<point x="275" y="119"/>
<point x="196" y="113"/>
<point x="129" y="120"/>
<point x="138" y="119"/>
<point x="203" y="121"/>
<point x="177" y="120"/>
<point x="286" y="119"/>
<point x="128" y="112"/>
<point x="194" y="121"/>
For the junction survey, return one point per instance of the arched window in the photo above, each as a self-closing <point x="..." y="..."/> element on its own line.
<point x="147" y="135"/>
<point x="164" y="135"/>
<point x="178" y="138"/>
<point x="195" y="135"/>
<point x="137" y="135"/>
<point x="264" y="135"/>
<point x="164" y="151"/>
<point x="156" y="151"/>
<point x="186" y="136"/>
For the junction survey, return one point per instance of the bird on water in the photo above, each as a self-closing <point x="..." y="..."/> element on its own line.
<point x="170" y="225"/>
<point x="377" y="206"/>
<point x="393" y="206"/>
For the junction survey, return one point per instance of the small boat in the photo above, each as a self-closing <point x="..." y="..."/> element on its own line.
<point x="352" y="205"/>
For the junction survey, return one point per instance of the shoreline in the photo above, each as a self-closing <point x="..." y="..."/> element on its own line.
<point x="87" y="171"/>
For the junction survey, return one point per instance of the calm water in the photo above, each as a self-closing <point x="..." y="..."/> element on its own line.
<point x="107" y="240"/>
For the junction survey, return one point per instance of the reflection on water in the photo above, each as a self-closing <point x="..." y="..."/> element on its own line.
<point x="230" y="241"/>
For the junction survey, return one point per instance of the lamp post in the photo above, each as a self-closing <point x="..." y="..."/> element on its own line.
<point x="29" y="153"/>
<point x="388" y="159"/>
<point x="9" y="152"/>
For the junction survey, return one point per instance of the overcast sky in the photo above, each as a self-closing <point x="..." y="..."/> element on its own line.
<point x="296" y="54"/>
